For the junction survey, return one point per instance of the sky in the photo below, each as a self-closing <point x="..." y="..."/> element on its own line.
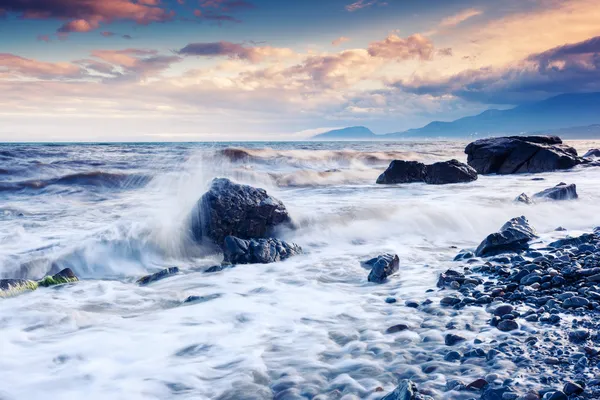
<point x="217" y="70"/>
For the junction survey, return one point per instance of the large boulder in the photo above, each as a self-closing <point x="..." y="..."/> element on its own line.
<point x="452" y="171"/>
<point x="513" y="237"/>
<point x="257" y="251"/>
<point x="521" y="154"/>
<point x="440" y="173"/>
<point x="382" y="267"/>
<point x="401" y="171"/>
<point x="562" y="191"/>
<point x="243" y="211"/>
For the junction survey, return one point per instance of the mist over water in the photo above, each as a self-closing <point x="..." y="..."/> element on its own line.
<point x="309" y="326"/>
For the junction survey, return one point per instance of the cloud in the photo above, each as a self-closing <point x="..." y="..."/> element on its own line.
<point x="128" y="37"/>
<point x="86" y="15"/>
<point x="340" y="40"/>
<point x="459" y="18"/>
<point x="235" y="51"/>
<point x="360" y="4"/>
<point x="135" y="64"/>
<point x="446" y="52"/>
<point x="563" y="69"/>
<point x="107" y="34"/>
<point x="395" y="47"/>
<point x="26" y="67"/>
<point x="43" y="38"/>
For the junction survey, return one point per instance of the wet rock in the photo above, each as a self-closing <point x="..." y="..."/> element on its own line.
<point x="490" y="393"/>
<point x="64" y="276"/>
<point x="514" y="236"/>
<point x="575" y="241"/>
<point x="503" y="309"/>
<point x="592" y="153"/>
<point x="396" y="328"/>
<point x="446" y="172"/>
<point x="572" y="389"/>
<point x="562" y="191"/>
<point x="390" y="300"/>
<point x="401" y="171"/>
<point x="382" y="267"/>
<point x="452" y="356"/>
<point x="451" y="339"/>
<point x="523" y="198"/>
<point x="508" y="325"/>
<point x="558" y="395"/>
<point x="449" y="301"/>
<point x="576" y="301"/>
<point x="12" y="287"/>
<point x="231" y="209"/>
<point x="406" y="390"/>
<point x="579" y="335"/>
<point x="520" y="154"/>
<point x="258" y="251"/>
<point x="477" y="384"/>
<point x="165" y="273"/>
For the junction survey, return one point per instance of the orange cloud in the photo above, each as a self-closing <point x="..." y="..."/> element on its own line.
<point x="21" y="66"/>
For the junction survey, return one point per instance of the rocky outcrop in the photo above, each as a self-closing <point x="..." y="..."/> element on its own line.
<point x="513" y="237"/>
<point x="165" y="273"/>
<point x="401" y="171"/>
<point x="257" y="251"/>
<point x="382" y="266"/>
<point x="562" y="191"/>
<point x="521" y="154"/>
<point x="440" y="173"/>
<point x="243" y="211"/>
<point x="452" y="171"/>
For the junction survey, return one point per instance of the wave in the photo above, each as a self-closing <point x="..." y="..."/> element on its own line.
<point x="95" y="179"/>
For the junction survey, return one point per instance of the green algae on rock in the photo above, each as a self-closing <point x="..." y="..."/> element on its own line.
<point x="64" y="276"/>
<point x="12" y="287"/>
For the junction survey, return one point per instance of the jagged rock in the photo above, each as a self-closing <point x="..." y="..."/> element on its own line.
<point x="592" y="153"/>
<point x="562" y="191"/>
<point x="520" y="154"/>
<point x="401" y="171"/>
<point x="523" y="198"/>
<point x="258" y="251"/>
<point x="64" y="276"/>
<point x="406" y="390"/>
<point x="514" y="236"/>
<point x="12" y="287"/>
<point x="165" y="273"/>
<point x="382" y="266"/>
<point x="440" y="173"/>
<point x="232" y="209"/>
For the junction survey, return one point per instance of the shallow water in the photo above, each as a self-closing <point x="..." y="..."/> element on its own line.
<point x="309" y="326"/>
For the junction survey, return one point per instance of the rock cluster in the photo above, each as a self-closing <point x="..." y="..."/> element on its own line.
<point x="12" y="287"/>
<point x="439" y="173"/>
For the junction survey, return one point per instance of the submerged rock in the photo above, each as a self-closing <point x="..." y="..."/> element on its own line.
<point x="446" y="172"/>
<point x="12" y="287"/>
<point x="521" y="154"/>
<point x="64" y="276"/>
<point x="514" y="237"/>
<point x="232" y="209"/>
<point x="562" y="191"/>
<point x="258" y="251"/>
<point x="523" y="198"/>
<point x="382" y="267"/>
<point x="440" y="173"/>
<point x="401" y="171"/>
<point x="165" y="273"/>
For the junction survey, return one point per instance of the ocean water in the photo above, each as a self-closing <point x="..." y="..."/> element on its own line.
<point x="309" y="327"/>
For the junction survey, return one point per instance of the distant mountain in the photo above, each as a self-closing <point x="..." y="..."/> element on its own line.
<point x="352" y="133"/>
<point x="559" y="113"/>
<point x="576" y="132"/>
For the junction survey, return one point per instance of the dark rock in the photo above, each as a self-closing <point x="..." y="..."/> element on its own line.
<point x="508" y="325"/>
<point x="396" y="328"/>
<point x="576" y="301"/>
<point x="451" y="339"/>
<point x="503" y="309"/>
<point x="477" y="384"/>
<point x="520" y="154"/>
<point x="215" y="268"/>
<point x="452" y="356"/>
<point x="145" y="280"/>
<point x="406" y="390"/>
<point x="202" y="299"/>
<point x="523" y="198"/>
<point x="390" y="300"/>
<point x="12" y="287"/>
<point x="231" y="209"/>
<point x="490" y="393"/>
<point x="558" y="395"/>
<point x="514" y="236"/>
<point x="571" y="389"/>
<point x="64" y="276"/>
<point x="382" y="267"/>
<point x="562" y="191"/>
<point x="401" y="171"/>
<point x="592" y="153"/>
<point x="446" y="172"/>
<point x="574" y="241"/>
<point x="449" y="301"/>
<point x="258" y="251"/>
<point x="579" y="335"/>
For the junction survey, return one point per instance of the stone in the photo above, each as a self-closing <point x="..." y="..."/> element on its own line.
<point x="406" y="390"/>
<point x="382" y="267"/>
<point x="508" y="325"/>
<point x="592" y="153"/>
<point x="400" y="171"/>
<point x="558" y="395"/>
<point x="232" y="209"/>
<point x="258" y="251"/>
<point x="452" y="356"/>
<point x="575" y="302"/>
<point x="562" y="191"/>
<point x="490" y="393"/>
<point x="521" y="154"/>
<point x="579" y="335"/>
<point x="64" y="276"/>
<point x="396" y="328"/>
<point x="449" y="301"/>
<point x="523" y="198"/>
<point x="478" y="384"/>
<point x="574" y="241"/>
<point x="12" y="287"/>
<point x="446" y="172"/>
<point x="503" y="309"/>
<point x="572" y="389"/>
<point x="165" y="273"/>
<point x="451" y="339"/>
<point x="514" y="236"/>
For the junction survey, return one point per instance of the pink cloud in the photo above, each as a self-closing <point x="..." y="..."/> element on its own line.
<point x="22" y="66"/>
<point x="43" y="38"/>
<point x="360" y="4"/>
<point x="235" y="51"/>
<point x="136" y="63"/>
<point x="395" y="47"/>
<point x="107" y="34"/>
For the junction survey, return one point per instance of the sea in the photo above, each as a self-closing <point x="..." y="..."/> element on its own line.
<point x="310" y="327"/>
